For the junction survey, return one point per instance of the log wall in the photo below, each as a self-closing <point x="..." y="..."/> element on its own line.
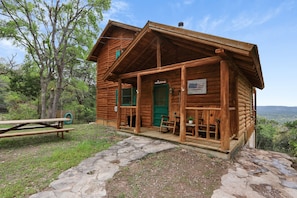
<point x="245" y="106"/>
<point x="106" y="93"/>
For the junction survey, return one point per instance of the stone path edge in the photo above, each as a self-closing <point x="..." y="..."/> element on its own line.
<point x="88" y="179"/>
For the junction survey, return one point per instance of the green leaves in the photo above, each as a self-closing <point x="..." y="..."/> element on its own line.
<point x="274" y="136"/>
<point x="54" y="34"/>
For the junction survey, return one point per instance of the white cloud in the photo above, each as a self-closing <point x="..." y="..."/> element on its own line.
<point x="209" y="25"/>
<point x="188" y="2"/>
<point x="118" y="10"/>
<point x="180" y="5"/>
<point x="256" y="18"/>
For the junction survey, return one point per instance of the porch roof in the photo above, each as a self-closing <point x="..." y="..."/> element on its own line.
<point x="179" y="45"/>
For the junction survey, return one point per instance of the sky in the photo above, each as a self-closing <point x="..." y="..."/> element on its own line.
<point x="270" y="24"/>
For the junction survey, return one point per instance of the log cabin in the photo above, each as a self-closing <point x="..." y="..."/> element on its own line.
<point x="153" y="80"/>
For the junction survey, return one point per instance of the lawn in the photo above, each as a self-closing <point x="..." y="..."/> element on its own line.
<point x="28" y="164"/>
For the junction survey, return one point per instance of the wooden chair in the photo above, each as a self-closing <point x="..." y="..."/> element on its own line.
<point x="209" y="124"/>
<point x="167" y="124"/>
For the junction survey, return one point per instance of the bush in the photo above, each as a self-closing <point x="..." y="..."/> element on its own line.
<point x="20" y="107"/>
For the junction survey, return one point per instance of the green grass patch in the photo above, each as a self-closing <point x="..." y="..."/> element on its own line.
<point x="29" y="163"/>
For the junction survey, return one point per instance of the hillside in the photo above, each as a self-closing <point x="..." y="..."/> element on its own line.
<point x="280" y="114"/>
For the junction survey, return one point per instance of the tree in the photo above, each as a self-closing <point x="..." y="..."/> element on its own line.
<point x="25" y="82"/>
<point x="266" y="129"/>
<point x="55" y="34"/>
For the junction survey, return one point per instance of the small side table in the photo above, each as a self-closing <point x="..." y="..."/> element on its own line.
<point x="192" y="129"/>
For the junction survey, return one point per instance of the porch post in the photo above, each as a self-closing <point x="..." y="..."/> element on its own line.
<point x="119" y="103"/>
<point x="159" y="64"/>
<point x="183" y="102"/>
<point x="138" y="99"/>
<point x="225" y="113"/>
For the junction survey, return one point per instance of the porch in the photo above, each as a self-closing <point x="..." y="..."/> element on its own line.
<point x="204" y="134"/>
<point x="207" y="147"/>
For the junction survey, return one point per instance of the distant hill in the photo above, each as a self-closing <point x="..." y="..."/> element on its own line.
<point x="280" y="114"/>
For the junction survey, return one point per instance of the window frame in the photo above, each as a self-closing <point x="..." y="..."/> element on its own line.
<point x="131" y="97"/>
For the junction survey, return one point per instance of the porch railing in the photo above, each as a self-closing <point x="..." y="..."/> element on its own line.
<point x="201" y="116"/>
<point x="128" y="116"/>
<point x="206" y="121"/>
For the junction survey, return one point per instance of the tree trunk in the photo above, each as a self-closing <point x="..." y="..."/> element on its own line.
<point x="57" y="96"/>
<point x="50" y="104"/>
<point x="43" y="85"/>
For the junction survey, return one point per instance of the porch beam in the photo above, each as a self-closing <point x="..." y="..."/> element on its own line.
<point x="225" y="113"/>
<point x="159" y="62"/>
<point x="187" y="64"/>
<point x="138" y="99"/>
<point x="183" y="102"/>
<point x="119" y="103"/>
<point x="140" y="53"/>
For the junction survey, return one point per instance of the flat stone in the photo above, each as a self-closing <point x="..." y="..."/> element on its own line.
<point x="241" y="173"/>
<point x="65" y="183"/>
<point x="136" y="155"/>
<point x="45" y="194"/>
<point x="66" y="195"/>
<point x="289" y="184"/>
<point x="94" y="189"/>
<point x="158" y="147"/>
<point x="259" y="168"/>
<point x="290" y="192"/>
<point x="221" y="194"/>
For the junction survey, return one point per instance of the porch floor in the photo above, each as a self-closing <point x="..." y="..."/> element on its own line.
<point x="203" y="146"/>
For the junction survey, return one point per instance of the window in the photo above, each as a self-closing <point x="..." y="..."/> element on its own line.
<point x="128" y="97"/>
<point x="118" y="53"/>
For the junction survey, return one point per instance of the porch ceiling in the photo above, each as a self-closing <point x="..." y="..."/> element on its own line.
<point x="179" y="45"/>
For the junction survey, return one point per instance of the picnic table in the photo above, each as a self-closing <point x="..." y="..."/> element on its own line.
<point x="55" y="125"/>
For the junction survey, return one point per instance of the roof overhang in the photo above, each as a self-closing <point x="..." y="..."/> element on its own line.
<point x="141" y="53"/>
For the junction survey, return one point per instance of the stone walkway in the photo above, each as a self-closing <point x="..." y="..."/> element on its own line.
<point x="88" y="179"/>
<point x="255" y="173"/>
<point x="259" y="174"/>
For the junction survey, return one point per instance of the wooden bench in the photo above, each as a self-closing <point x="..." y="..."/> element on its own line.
<point x="5" y="135"/>
<point x="56" y="125"/>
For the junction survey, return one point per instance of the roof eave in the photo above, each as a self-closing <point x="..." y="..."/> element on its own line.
<point x="245" y="49"/>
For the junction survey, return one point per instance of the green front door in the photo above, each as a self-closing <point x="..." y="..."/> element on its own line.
<point x="161" y="95"/>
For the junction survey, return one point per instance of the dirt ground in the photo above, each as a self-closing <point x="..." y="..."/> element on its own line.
<point x="177" y="172"/>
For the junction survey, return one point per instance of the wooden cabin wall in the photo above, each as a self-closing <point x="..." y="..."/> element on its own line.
<point x="245" y="106"/>
<point x="146" y="101"/>
<point x="105" y="89"/>
<point x="212" y="75"/>
<point x="212" y="98"/>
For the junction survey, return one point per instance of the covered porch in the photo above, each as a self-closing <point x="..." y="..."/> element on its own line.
<point x="217" y="132"/>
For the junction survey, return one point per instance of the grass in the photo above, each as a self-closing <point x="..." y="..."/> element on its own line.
<point x="28" y="164"/>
